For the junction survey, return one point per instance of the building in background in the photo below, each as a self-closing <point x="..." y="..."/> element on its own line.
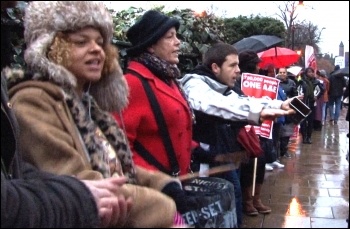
<point x="343" y="58"/>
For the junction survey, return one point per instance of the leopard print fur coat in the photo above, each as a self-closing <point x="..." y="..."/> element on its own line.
<point x="88" y="118"/>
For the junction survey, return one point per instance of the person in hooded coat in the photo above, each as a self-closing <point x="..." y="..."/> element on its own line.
<point x="63" y="106"/>
<point x="40" y="199"/>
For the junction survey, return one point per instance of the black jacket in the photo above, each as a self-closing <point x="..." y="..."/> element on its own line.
<point x="311" y="88"/>
<point x="289" y="87"/>
<point x="336" y="86"/>
<point x="32" y="198"/>
<point x="346" y="94"/>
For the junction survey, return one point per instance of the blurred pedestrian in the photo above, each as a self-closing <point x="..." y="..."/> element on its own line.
<point x="312" y="89"/>
<point x="337" y="85"/>
<point x="290" y="89"/>
<point x="324" y="79"/>
<point x="319" y="104"/>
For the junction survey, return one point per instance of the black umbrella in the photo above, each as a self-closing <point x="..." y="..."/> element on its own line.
<point x="341" y="72"/>
<point x="257" y="43"/>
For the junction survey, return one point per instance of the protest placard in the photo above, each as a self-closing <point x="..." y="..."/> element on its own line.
<point x="259" y="86"/>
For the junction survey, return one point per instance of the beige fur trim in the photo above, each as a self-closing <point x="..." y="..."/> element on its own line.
<point x="44" y="19"/>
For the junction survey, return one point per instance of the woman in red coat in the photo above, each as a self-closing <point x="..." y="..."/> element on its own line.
<point x="154" y="58"/>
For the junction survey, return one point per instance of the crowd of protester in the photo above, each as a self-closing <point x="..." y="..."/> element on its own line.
<point x="86" y="145"/>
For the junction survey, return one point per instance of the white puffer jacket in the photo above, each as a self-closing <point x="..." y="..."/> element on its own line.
<point x="206" y="95"/>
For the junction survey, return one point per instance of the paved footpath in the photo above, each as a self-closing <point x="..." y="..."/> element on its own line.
<point x="312" y="190"/>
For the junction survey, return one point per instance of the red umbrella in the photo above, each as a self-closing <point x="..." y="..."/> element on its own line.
<point x="278" y="57"/>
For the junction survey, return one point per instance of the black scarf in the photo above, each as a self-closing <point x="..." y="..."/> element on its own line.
<point x="162" y="69"/>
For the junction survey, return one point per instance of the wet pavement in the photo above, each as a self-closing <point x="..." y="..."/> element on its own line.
<point x="312" y="190"/>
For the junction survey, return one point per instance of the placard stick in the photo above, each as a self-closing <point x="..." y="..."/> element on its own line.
<point x="215" y="170"/>
<point x="254" y="175"/>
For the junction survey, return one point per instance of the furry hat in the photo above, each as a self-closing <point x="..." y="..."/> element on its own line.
<point x="148" y="30"/>
<point x="44" y="19"/>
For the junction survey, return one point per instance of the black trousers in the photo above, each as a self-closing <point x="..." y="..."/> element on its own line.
<point x="307" y="126"/>
<point x="247" y="170"/>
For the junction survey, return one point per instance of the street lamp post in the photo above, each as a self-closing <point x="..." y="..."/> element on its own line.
<point x="293" y="30"/>
<point x="292" y="17"/>
<point x="319" y="35"/>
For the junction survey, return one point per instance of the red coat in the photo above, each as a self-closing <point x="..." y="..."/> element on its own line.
<point x="140" y="123"/>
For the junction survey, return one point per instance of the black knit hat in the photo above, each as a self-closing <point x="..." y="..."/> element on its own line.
<point x="148" y="30"/>
<point x="248" y="60"/>
<point x="249" y="56"/>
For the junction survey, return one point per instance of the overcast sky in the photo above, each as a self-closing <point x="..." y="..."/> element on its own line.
<point x="331" y="15"/>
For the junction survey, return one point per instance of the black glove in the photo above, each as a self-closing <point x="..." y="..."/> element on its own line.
<point x="184" y="203"/>
<point x="199" y="155"/>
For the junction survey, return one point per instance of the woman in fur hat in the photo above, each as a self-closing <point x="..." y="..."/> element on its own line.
<point x="40" y="199"/>
<point x="62" y="107"/>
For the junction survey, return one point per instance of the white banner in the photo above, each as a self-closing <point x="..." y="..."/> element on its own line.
<point x="310" y="58"/>
<point x="339" y="60"/>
